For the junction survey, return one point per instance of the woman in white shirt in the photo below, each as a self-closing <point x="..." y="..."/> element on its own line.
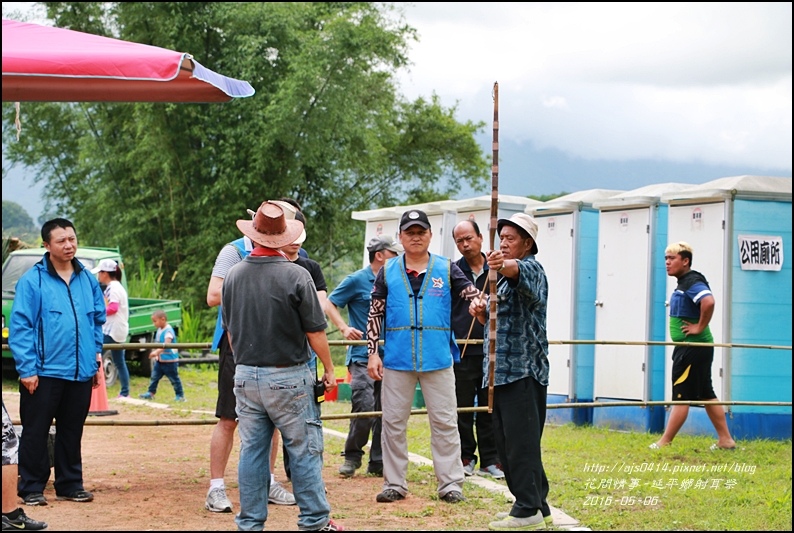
<point x="117" y="325"/>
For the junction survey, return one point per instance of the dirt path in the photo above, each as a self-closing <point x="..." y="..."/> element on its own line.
<point x="155" y="478"/>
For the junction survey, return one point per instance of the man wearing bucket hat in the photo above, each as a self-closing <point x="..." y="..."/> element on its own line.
<point x="223" y="434"/>
<point x="272" y="315"/>
<point x="521" y="375"/>
<point x="412" y="305"/>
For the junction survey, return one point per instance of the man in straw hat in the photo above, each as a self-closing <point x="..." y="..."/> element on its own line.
<point x="521" y="375"/>
<point x="272" y="315"/>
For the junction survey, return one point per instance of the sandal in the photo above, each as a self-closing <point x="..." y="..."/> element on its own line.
<point x="715" y="448"/>
<point x="655" y="446"/>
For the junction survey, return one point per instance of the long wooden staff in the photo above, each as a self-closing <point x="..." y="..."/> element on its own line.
<point x="491" y="271"/>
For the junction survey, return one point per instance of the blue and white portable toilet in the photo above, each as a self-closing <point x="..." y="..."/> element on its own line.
<point x="568" y="251"/>
<point x="478" y="209"/>
<point x="629" y="307"/>
<point x="739" y="228"/>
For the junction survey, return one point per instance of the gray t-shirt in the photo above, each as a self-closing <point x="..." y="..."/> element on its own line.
<point x="269" y="304"/>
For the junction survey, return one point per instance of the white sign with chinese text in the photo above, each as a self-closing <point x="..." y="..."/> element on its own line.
<point x="760" y="252"/>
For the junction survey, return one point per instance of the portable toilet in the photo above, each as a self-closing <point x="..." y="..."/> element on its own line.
<point x="629" y="307"/>
<point x="478" y="209"/>
<point x="386" y="221"/>
<point x="568" y="251"/>
<point x="739" y="228"/>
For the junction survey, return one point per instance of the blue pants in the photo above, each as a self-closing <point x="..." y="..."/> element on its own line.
<point x="283" y="398"/>
<point x="171" y="371"/>
<point x="121" y="366"/>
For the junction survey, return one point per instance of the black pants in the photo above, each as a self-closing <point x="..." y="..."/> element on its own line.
<point x="519" y="415"/>
<point x="68" y="403"/>
<point x="375" y="451"/>
<point x="468" y="386"/>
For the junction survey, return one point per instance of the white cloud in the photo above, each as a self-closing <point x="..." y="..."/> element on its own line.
<point x="704" y="82"/>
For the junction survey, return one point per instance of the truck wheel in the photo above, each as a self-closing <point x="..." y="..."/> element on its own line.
<point x="9" y="368"/>
<point x="142" y="356"/>
<point x="111" y="372"/>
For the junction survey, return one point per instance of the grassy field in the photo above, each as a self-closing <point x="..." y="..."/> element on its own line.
<point x="608" y="480"/>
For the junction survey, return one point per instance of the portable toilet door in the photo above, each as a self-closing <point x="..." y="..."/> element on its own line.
<point x="751" y="306"/>
<point x="478" y="209"/>
<point x="568" y="250"/>
<point x="629" y="292"/>
<point x="386" y="221"/>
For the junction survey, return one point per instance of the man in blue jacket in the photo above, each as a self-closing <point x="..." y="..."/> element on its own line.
<point x="56" y="339"/>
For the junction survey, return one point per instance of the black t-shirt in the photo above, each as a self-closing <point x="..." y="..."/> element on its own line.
<point x="315" y="270"/>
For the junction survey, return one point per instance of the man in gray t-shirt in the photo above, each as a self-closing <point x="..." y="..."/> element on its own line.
<point x="272" y="315"/>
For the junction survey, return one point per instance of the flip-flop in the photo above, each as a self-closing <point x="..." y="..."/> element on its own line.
<point x="655" y="446"/>
<point x="715" y="448"/>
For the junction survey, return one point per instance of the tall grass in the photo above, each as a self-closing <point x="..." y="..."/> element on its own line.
<point x="145" y="283"/>
<point x="190" y="329"/>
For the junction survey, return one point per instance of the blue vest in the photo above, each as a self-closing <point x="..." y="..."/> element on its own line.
<point x="418" y="332"/>
<point x="216" y="337"/>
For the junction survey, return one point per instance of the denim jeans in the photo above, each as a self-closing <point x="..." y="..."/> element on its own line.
<point x="283" y="398"/>
<point x="171" y="371"/>
<point x="121" y="366"/>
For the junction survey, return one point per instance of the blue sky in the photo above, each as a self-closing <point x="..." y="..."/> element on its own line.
<point x="604" y="95"/>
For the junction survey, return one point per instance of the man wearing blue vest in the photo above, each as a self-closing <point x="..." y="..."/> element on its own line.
<point x="412" y="304"/>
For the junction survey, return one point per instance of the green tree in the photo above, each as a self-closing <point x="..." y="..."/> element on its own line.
<point x="16" y="221"/>
<point x="547" y="197"/>
<point x="327" y="127"/>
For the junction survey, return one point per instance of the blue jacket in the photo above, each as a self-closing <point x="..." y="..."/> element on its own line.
<point x="418" y="330"/>
<point x="56" y="329"/>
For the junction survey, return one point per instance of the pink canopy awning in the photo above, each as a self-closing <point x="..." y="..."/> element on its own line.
<point x="47" y="64"/>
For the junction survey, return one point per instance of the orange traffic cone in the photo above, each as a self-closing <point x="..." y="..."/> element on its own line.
<point x="99" y="399"/>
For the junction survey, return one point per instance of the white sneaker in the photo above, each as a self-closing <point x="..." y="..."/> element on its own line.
<point x="511" y="523"/>
<point x="217" y="502"/>
<point x="468" y="467"/>
<point x="492" y="470"/>
<point x="279" y="495"/>
<point x="548" y="519"/>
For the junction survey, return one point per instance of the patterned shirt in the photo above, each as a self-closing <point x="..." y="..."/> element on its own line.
<point x="522" y="347"/>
